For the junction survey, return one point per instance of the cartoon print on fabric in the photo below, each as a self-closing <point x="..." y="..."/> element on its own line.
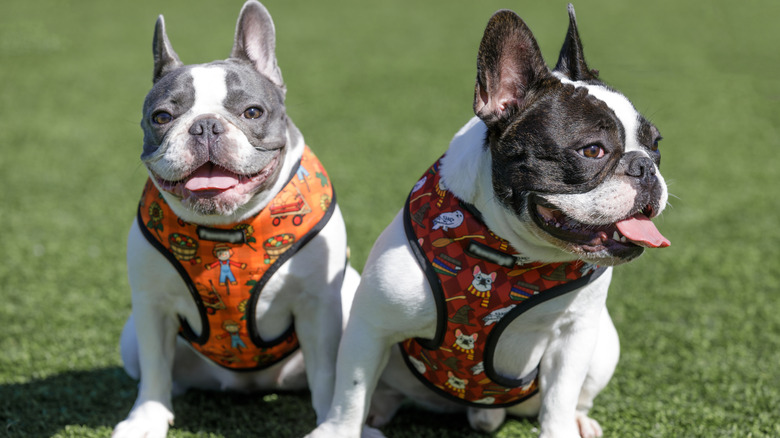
<point x="233" y="331"/>
<point x="465" y="343"/>
<point x="480" y="285"/>
<point x="225" y="272"/>
<point x="223" y="253"/>
<point x="183" y="247"/>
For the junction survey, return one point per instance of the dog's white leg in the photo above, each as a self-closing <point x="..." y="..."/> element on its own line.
<point x="128" y="349"/>
<point x="361" y="359"/>
<point x="320" y="313"/>
<point x="363" y="354"/>
<point x="384" y="404"/>
<point x="319" y="356"/>
<point x="561" y="376"/>
<point x="152" y="412"/>
<point x="602" y="366"/>
<point x="391" y="304"/>
<point x="155" y="332"/>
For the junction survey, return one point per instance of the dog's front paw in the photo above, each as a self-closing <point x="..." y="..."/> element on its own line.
<point x="589" y="428"/>
<point x="148" y="420"/>
<point x="370" y="432"/>
<point x="326" y="430"/>
<point x="486" y="420"/>
<point x="582" y="427"/>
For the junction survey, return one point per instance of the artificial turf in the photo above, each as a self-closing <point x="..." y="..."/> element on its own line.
<point x="378" y="89"/>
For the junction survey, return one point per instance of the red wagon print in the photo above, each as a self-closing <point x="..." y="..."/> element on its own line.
<point x="294" y="204"/>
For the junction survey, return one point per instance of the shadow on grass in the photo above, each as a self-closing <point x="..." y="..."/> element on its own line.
<point x="94" y="401"/>
<point x="100" y="398"/>
<point x="412" y="421"/>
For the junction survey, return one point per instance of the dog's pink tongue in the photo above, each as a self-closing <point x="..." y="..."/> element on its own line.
<point x="211" y="177"/>
<point x="641" y="230"/>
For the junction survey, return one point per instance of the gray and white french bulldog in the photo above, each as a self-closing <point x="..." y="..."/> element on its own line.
<point x="566" y="171"/>
<point x="219" y="149"/>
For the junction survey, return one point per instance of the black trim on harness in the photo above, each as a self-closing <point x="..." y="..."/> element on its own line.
<point x="503" y="323"/>
<point x="187" y="332"/>
<point x="459" y="400"/>
<point x="433" y="281"/>
<point x="256" y="290"/>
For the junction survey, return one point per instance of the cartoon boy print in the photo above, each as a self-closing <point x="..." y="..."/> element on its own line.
<point x="303" y="174"/>
<point x="223" y="253"/>
<point x="233" y="330"/>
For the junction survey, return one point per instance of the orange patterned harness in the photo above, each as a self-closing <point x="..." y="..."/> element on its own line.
<point x="226" y="267"/>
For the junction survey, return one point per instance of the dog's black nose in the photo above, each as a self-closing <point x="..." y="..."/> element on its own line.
<point x="207" y="127"/>
<point x="640" y="166"/>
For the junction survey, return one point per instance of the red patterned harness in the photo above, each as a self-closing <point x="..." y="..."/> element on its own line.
<point x="226" y="267"/>
<point x="479" y="289"/>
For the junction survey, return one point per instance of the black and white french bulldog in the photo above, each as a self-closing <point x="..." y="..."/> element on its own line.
<point x="565" y="172"/>
<point x="220" y="152"/>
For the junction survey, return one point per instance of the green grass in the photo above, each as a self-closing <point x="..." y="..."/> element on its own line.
<point x="378" y="90"/>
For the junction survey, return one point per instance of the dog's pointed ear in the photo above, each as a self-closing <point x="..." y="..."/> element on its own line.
<point x="165" y="59"/>
<point x="571" y="61"/>
<point x="508" y="64"/>
<point x="255" y="41"/>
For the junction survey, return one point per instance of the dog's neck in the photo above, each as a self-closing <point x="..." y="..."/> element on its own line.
<point x="466" y="171"/>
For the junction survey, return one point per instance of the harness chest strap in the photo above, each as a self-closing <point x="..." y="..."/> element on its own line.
<point x="480" y="286"/>
<point x="226" y="267"/>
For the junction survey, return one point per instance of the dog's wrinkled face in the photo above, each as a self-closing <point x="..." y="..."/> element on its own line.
<point x="612" y="219"/>
<point x="572" y="158"/>
<point x="215" y="135"/>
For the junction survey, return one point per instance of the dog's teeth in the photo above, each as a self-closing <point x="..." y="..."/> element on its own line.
<point x="615" y="236"/>
<point x="623" y="239"/>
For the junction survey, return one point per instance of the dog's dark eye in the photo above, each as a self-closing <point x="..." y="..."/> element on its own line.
<point x="253" y="113"/>
<point x="654" y="147"/>
<point x="162" y="118"/>
<point x="592" y="151"/>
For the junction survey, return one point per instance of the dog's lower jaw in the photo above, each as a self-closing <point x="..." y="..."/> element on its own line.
<point x="563" y="240"/>
<point x="598" y="252"/>
<point x="216" y="204"/>
<point x="530" y="242"/>
<point x="222" y="201"/>
<point x="215" y="212"/>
